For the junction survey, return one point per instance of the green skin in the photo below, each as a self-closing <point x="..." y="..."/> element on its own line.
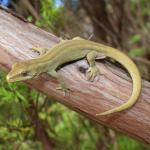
<point x="70" y="50"/>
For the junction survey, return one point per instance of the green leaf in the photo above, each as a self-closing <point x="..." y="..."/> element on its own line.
<point x="30" y="18"/>
<point x="137" y="52"/>
<point x="135" y="39"/>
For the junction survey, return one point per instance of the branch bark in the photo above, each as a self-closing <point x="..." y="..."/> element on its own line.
<point x="111" y="89"/>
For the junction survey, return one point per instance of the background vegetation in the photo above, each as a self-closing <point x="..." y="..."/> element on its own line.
<point x="30" y="120"/>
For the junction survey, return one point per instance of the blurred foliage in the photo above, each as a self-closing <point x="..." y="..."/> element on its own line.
<point x="140" y="10"/>
<point x="139" y="51"/>
<point x="15" y="128"/>
<point x="51" y="16"/>
<point x="66" y="128"/>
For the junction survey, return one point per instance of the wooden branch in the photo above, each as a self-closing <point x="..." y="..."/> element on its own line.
<point x="111" y="89"/>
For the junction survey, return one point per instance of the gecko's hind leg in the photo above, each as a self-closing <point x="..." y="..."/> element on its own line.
<point x="93" y="70"/>
<point x="41" y="51"/>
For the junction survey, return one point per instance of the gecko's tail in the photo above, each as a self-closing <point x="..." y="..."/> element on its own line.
<point x="136" y="78"/>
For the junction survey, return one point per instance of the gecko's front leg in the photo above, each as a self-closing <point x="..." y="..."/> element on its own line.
<point x="62" y="86"/>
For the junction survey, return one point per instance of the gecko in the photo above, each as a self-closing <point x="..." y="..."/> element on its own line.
<point x="70" y="50"/>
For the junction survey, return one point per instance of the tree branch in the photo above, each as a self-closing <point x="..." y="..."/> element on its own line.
<point x="111" y="89"/>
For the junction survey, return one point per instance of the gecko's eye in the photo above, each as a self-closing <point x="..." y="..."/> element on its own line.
<point x="24" y="74"/>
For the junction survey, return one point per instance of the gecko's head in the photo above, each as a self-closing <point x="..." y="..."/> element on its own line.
<point x="21" y="71"/>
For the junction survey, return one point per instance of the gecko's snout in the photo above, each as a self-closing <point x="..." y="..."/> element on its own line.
<point x="8" y="78"/>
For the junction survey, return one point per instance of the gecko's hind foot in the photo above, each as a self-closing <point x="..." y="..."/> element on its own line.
<point x="92" y="73"/>
<point x="65" y="89"/>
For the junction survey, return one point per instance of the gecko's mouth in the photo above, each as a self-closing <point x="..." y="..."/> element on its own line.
<point x="9" y="79"/>
<point x="15" y="79"/>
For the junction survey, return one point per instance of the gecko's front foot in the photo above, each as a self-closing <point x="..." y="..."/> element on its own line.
<point x="35" y="49"/>
<point x="64" y="88"/>
<point x="92" y="73"/>
<point x="40" y="51"/>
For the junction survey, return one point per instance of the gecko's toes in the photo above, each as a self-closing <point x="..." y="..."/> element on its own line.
<point x="34" y="49"/>
<point x="92" y="73"/>
<point x="65" y="90"/>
